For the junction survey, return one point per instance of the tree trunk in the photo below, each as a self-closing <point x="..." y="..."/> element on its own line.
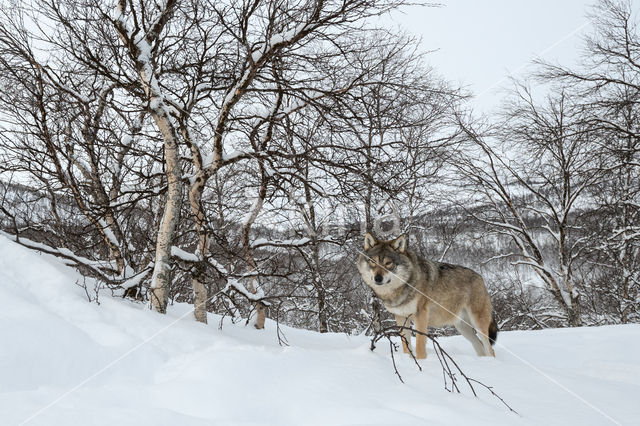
<point x="246" y="244"/>
<point x="323" y="321"/>
<point x="139" y="51"/>
<point x="574" y="311"/>
<point x="161" y="278"/>
<point x="200" y="291"/>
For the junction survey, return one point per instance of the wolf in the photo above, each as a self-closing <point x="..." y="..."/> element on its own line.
<point x="428" y="293"/>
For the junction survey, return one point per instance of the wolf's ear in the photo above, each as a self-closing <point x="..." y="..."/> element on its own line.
<point x="369" y="241"/>
<point x="400" y="244"/>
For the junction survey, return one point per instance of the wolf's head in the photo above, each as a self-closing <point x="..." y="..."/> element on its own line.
<point x="384" y="265"/>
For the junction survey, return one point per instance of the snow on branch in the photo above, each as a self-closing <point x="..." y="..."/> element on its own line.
<point x="98" y="266"/>
<point x="258" y="296"/>
<point x="298" y="242"/>
<point x="184" y="255"/>
<point x="135" y="280"/>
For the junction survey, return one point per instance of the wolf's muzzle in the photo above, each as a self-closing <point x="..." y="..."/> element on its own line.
<point x="378" y="279"/>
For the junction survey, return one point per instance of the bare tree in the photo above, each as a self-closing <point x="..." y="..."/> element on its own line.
<point x="532" y="182"/>
<point x="608" y="84"/>
<point x="198" y="69"/>
<point x="177" y="108"/>
<point x="62" y="133"/>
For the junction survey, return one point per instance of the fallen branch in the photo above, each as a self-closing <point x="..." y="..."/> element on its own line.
<point x="450" y="368"/>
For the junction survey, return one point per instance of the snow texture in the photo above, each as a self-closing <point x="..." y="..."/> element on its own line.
<point x="184" y="255"/>
<point x="239" y="287"/>
<point x="65" y="361"/>
<point x="259" y="242"/>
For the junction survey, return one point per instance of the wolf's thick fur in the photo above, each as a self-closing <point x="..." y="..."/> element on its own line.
<point x="428" y="293"/>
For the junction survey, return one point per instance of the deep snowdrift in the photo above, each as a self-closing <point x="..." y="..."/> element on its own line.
<point x="64" y="361"/>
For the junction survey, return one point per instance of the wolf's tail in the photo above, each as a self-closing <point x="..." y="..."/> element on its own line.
<point x="493" y="331"/>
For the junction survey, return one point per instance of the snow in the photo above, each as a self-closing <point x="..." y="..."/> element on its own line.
<point x="108" y="232"/>
<point x="287" y="36"/>
<point x="233" y="283"/>
<point x="278" y="38"/>
<point x="67" y="361"/>
<point x="184" y="255"/>
<point x="259" y="242"/>
<point x="136" y="279"/>
<point x="95" y="264"/>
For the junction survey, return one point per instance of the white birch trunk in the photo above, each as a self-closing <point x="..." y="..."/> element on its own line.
<point x="140" y="51"/>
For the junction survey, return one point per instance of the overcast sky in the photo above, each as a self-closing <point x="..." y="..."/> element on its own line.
<point x="480" y="43"/>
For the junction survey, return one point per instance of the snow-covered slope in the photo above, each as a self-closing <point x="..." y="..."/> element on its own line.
<point x="64" y="361"/>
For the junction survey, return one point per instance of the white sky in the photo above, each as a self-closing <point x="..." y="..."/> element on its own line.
<point x="481" y="42"/>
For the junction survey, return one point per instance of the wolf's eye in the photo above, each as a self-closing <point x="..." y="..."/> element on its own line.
<point x="388" y="264"/>
<point x="372" y="262"/>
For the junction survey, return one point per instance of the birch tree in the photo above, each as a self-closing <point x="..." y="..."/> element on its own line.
<point x="255" y="36"/>
<point x="532" y="178"/>
<point x="607" y="82"/>
<point x="62" y="133"/>
<point x="185" y="91"/>
<point x="139" y="34"/>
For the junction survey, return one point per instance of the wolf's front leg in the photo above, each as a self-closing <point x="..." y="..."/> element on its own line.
<point x="406" y="332"/>
<point x="421" y="332"/>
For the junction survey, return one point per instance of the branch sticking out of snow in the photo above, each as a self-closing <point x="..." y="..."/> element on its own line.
<point x="450" y="368"/>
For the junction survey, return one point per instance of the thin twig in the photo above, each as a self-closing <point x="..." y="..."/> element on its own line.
<point x="445" y="359"/>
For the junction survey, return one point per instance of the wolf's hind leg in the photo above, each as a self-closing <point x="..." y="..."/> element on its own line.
<point x="482" y="325"/>
<point x="406" y="332"/>
<point x="466" y="328"/>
